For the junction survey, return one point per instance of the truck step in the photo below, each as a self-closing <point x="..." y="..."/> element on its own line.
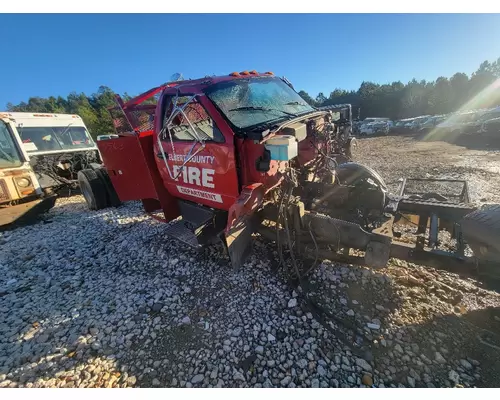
<point x="178" y="230"/>
<point x="194" y="215"/>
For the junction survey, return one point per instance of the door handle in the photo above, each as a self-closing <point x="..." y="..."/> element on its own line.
<point x="160" y="155"/>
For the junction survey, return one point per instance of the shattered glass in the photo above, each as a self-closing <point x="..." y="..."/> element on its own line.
<point x="195" y="114"/>
<point x="250" y="102"/>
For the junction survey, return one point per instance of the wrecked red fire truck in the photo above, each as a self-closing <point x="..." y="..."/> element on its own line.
<point x="226" y="157"/>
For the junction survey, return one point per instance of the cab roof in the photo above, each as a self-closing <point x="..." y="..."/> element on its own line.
<point x="194" y="86"/>
<point x="25" y="115"/>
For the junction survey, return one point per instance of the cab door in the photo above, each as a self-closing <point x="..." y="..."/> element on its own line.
<point x="195" y="152"/>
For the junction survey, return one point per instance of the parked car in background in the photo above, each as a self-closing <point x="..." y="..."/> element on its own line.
<point x="415" y="124"/>
<point x="491" y="127"/>
<point x="475" y="125"/>
<point x="374" y="126"/>
<point x="408" y="124"/>
<point x="457" y="124"/>
<point x="377" y="119"/>
<point x="430" y="123"/>
<point x="460" y="122"/>
<point x="377" y="127"/>
<point x="356" y="125"/>
<point x="397" y="126"/>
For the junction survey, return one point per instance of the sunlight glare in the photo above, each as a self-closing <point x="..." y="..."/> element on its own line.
<point x="486" y="98"/>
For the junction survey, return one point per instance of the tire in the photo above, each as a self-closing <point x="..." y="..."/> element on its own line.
<point x="481" y="231"/>
<point x="351" y="143"/>
<point x="112" y="197"/>
<point x="93" y="189"/>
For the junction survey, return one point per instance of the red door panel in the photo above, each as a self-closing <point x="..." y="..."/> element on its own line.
<point x="210" y="176"/>
<point x="127" y="168"/>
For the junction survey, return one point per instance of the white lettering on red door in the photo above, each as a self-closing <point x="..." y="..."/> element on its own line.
<point x="207" y="177"/>
<point x="200" y="194"/>
<point x="198" y="159"/>
<point x="195" y="176"/>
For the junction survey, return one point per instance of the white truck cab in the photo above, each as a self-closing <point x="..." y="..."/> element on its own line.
<point x="58" y="145"/>
<point x="46" y="133"/>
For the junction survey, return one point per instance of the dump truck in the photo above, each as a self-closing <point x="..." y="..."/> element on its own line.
<point x="223" y="158"/>
<point x="21" y="197"/>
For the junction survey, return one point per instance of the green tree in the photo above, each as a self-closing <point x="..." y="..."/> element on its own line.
<point x="320" y="99"/>
<point x="440" y="97"/>
<point x="483" y="87"/>
<point x="394" y="100"/>
<point x="307" y="98"/>
<point x="459" y="88"/>
<point x="100" y="101"/>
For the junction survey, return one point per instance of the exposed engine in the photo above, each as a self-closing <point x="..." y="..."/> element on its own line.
<point x="58" y="171"/>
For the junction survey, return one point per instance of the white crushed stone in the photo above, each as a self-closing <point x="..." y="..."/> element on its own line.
<point x="104" y="299"/>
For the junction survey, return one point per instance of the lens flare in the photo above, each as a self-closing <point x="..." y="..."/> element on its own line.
<point x="485" y="99"/>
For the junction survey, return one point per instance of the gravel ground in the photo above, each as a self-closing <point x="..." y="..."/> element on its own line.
<point x="396" y="157"/>
<point x="103" y="299"/>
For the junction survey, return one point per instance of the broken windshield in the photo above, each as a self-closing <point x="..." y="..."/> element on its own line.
<point x="9" y="153"/>
<point x="39" y="139"/>
<point x="250" y="102"/>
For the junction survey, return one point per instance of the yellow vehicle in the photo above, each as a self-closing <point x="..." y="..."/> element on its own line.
<point x="21" y="198"/>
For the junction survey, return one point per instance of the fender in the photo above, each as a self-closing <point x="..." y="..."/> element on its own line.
<point x="248" y="201"/>
<point x="352" y="171"/>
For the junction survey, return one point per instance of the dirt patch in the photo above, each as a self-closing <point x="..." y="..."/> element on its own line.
<point x="398" y="157"/>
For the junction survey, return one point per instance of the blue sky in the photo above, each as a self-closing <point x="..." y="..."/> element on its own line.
<point x="46" y="55"/>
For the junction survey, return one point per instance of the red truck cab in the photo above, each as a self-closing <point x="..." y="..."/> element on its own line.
<point x="211" y="149"/>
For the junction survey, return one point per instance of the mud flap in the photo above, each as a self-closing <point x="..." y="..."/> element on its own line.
<point x="239" y="242"/>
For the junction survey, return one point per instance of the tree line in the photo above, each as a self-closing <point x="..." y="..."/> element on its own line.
<point x="394" y="100"/>
<point x="92" y="109"/>
<point x="397" y="100"/>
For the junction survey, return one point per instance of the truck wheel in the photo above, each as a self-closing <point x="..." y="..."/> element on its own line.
<point x="481" y="230"/>
<point x="112" y="197"/>
<point x="93" y="189"/>
<point x="350" y="145"/>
